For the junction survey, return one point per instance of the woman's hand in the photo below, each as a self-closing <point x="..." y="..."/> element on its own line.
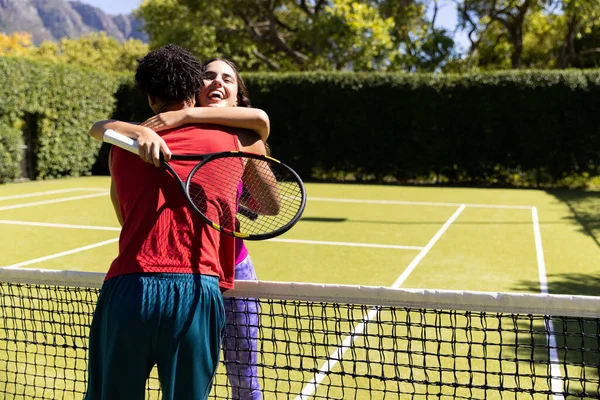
<point x="166" y="120"/>
<point x="150" y="146"/>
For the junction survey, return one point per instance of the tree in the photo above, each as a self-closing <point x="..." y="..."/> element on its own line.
<point x="542" y="40"/>
<point x="96" y="50"/>
<point x="17" y="44"/>
<point x="169" y="21"/>
<point x="294" y="35"/>
<point x="498" y="21"/>
<point x="581" y="18"/>
<point x="541" y="43"/>
<point x="554" y="34"/>
<point x="273" y="35"/>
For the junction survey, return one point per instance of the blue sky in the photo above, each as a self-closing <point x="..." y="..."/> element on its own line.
<point x="446" y="17"/>
<point x="115" y="7"/>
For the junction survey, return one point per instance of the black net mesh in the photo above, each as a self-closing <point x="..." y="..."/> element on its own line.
<point x="320" y="349"/>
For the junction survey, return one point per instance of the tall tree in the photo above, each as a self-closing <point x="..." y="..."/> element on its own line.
<point x="290" y="35"/>
<point x="420" y="45"/>
<point x="273" y="34"/>
<point x="497" y="20"/>
<point x="581" y="18"/>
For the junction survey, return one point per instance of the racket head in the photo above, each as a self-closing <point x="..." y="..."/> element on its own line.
<point x="269" y="196"/>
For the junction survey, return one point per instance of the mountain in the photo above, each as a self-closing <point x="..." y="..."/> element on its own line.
<point x="55" y="19"/>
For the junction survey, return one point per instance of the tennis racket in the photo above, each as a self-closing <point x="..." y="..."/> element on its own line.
<point x="245" y="195"/>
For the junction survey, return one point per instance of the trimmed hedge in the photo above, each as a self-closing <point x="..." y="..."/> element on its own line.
<point x="516" y="127"/>
<point x="525" y="127"/>
<point x="60" y="103"/>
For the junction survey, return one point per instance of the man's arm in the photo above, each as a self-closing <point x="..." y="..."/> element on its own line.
<point x="115" y="202"/>
<point x="149" y="142"/>
<point x="113" y="195"/>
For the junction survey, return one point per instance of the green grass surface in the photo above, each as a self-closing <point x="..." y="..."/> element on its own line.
<point x="484" y="249"/>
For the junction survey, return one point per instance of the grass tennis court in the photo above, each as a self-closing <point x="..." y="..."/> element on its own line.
<point x="410" y="237"/>
<point x="349" y="234"/>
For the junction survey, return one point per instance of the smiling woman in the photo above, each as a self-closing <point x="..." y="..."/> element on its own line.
<point x="223" y="101"/>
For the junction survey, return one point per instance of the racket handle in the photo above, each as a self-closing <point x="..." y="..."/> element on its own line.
<point x="121" y="141"/>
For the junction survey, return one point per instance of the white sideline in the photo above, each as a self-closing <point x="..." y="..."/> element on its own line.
<point x="300" y="241"/>
<point x="37" y="194"/>
<point x="338" y="354"/>
<point x="61" y="254"/>
<point x="39" y="203"/>
<point x="555" y="374"/>
<point x="416" y="203"/>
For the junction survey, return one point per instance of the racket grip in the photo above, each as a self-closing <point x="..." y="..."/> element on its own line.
<point x="121" y="141"/>
<point x="246" y="212"/>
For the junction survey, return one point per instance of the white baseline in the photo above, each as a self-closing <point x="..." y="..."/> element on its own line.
<point x="416" y="203"/>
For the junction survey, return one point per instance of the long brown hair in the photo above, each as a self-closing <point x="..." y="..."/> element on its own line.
<point x="242" y="95"/>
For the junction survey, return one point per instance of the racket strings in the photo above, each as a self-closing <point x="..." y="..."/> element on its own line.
<point x="213" y="190"/>
<point x="267" y="189"/>
<point x="281" y="184"/>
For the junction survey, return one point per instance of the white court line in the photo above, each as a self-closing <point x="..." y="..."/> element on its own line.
<point x="300" y="241"/>
<point x="52" y="225"/>
<point x="555" y="374"/>
<point x="416" y="203"/>
<point x="36" y="194"/>
<point x="349" y="244"/>
<point x="61" y="254"/>
<point x="39" y="203"/>
<point x="338" y="354"/>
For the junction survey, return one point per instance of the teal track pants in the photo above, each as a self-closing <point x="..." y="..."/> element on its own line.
<point x="174" y="321"/>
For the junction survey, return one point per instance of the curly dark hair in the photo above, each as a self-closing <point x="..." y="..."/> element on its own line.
<point x="242" y="97"/>
<point x="170" y="74"/>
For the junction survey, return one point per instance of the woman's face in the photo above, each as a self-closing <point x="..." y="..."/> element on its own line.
<point x="220" y="86"/>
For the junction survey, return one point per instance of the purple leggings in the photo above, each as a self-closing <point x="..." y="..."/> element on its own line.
<point x="241" y="337"/>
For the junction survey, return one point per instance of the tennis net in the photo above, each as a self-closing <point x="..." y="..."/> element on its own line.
<point x="329" y="341"/>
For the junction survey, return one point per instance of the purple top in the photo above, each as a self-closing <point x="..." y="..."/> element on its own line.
<point x="241" y="252"/>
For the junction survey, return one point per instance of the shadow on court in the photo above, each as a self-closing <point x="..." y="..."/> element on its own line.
<point x="585" y="210"/>
<point x="577" y="340"/>
<point x="322" y="219"/>
<point x="577" y="354"/>
<point x="571" y="283"/>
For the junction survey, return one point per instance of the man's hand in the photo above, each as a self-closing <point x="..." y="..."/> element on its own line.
<point x="166" y="120"/>
<point x="150" y="145"/>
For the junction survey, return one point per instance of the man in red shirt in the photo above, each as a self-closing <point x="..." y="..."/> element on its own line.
<point x="161" y="301"/>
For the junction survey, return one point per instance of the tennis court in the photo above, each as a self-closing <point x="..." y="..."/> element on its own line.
<point x="527" y="241"/>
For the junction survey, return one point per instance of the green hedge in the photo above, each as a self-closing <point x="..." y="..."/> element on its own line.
<point x="10" y="152"/>
<point x="60" y="104"/>
<point x="524" y="127"/>
<point x="529" y="127"/>
<point x="130" y="105"/>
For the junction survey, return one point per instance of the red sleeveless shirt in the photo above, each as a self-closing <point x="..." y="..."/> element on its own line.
<point x="160" y="234"/>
